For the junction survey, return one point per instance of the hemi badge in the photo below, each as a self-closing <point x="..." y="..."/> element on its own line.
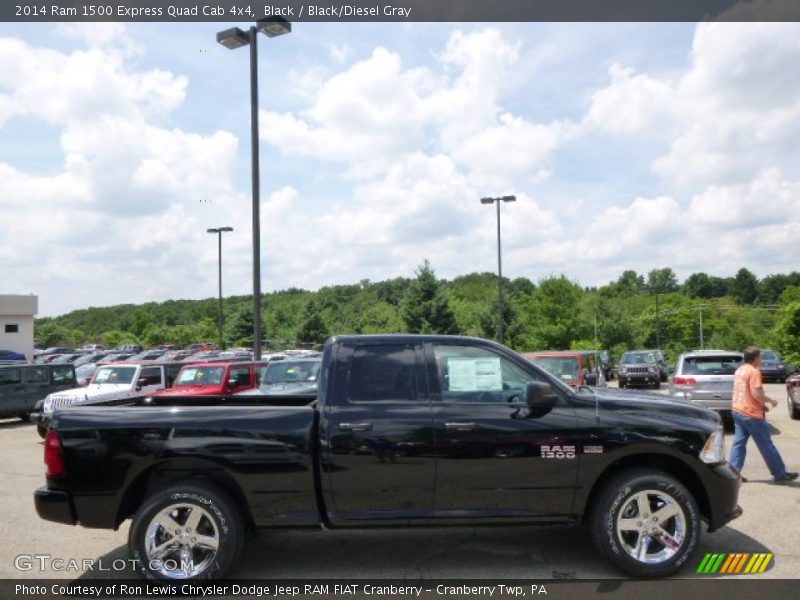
<point x="592" y="449"/>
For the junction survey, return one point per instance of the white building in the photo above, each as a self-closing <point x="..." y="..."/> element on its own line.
<point x="16" y="323"/>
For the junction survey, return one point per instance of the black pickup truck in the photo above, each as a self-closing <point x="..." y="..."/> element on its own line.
<point x="406" y="430"/>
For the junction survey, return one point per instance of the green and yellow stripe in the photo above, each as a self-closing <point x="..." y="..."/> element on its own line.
<point x="735" y="563"/>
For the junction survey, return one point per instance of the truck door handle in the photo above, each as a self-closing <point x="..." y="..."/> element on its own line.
<point x="366" y="426"/>
<point x="459" y="426"/>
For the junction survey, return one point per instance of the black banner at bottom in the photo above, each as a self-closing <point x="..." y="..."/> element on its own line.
<point x="424" y="589"/>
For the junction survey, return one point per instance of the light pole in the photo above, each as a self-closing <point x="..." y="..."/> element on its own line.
<point x="497" y="201"/>
<point x="236" y="38"/>
<point x="221" y="317"/>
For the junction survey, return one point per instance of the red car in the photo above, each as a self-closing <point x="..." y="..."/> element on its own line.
<point x="213" y="379"/>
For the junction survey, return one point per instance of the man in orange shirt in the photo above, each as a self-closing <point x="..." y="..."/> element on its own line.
<point x="750" y="404"/>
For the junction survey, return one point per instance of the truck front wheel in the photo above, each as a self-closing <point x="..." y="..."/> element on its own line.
<point x="185" y="532"/>
<point x="646" y="522"/>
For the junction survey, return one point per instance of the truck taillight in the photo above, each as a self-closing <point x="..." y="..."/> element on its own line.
<point x="53" y="458"/>
<point x="684" y="381"/>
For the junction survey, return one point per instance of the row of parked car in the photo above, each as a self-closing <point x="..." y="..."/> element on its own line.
<point x="704" y="377"/>
<point x="35" y="390"/>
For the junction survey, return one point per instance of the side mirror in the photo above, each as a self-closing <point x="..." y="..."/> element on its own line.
<point x="231" y="384"/>
<point x="141" y="382"/>
<point x="591" y="379"/>
<point x="540" y="395"/>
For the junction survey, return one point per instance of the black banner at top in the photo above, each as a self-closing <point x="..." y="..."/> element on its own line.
<point x="401" y="10"/>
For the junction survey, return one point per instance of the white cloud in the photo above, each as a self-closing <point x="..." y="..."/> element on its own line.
<point x="735" y="109"/>
<point x="379" y="110"/>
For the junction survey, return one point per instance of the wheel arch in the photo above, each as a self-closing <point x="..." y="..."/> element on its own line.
<point x="170" y="474"/>
<point x="669" y="465"/>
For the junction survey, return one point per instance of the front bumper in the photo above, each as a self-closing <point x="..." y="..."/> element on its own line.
<point x="640" y="378"/>
<point x="722" y="485"/>
<point x="54" y="505"/>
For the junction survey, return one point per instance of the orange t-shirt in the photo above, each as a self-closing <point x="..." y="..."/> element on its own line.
<point x="747" y="379"/>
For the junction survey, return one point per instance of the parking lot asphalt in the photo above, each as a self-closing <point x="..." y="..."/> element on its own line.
<point x="769" y="524"/>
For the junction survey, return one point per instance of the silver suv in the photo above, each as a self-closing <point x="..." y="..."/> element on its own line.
<point x="705" y="377"/>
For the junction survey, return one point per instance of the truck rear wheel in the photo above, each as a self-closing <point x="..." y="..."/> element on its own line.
<point x="185" y="532"/>
<point x="794" y="412"/>
<point x="646" y="523"/>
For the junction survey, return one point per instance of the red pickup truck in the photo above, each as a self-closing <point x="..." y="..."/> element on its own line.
<point x="213" y="379"/>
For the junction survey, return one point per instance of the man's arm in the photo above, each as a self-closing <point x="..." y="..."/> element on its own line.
<point x="760" y="395"/>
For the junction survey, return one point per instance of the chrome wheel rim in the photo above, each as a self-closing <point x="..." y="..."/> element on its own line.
<point x="181" y="541"/>
<point x="651" y="526"/>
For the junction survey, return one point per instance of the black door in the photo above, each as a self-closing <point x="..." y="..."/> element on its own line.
<point x="377" y="436"/>
<point x="37" y="386"/>
<point x="496" y="457"/>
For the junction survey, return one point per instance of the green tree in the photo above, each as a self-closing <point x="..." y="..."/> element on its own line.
<point x="629" y="283"/>
<point x="745" y="287"/>
<point x="512" y="329"/>
<point x="312" y="327"/>
<point x="239" y="326"/>
<point x="553" y="319"/>
<point x="662" y="281"/>
<point x="698" y="285"/>
<point x="425" y="307"/>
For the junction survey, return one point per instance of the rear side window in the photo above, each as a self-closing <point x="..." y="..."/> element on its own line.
<point x="384" y="372"/>
<point x="10" y="376"/>
<point x="711" y="365"/>
<point x="61" y="375"/>
<point x="37" y="375"/>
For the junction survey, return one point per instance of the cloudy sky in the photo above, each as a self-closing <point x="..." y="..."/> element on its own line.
<point x="628" y="146"/>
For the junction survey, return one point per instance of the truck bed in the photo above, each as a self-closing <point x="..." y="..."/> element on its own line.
<point x="116" y="453"/>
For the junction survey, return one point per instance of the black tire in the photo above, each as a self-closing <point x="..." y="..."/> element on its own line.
<point x="618" y="494"/>
<point x="794" y="412"/>
<point x="42" y="431"/>
<point x="219" y="519"/>
<point x="657" y="385"/>
<point x="622" y="383"/>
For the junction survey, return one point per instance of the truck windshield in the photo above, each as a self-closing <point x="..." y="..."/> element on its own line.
<point x="201" y="376"/>
<point x="564" y="368"/>
<point x="290" y="370"/>
<point x="114" y="375"/>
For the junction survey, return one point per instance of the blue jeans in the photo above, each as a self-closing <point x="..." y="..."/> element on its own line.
<point x="758" y="429"/>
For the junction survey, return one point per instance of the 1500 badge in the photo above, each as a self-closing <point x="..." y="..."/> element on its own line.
<point x="558" y="451"/>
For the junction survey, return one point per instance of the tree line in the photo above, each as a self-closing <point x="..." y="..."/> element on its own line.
<point x="634" y="311"/>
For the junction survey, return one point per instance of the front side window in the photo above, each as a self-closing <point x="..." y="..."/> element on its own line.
<point x="37" y="375"/>
<point x="152" y="375"/>
<point x="241" y="376"/>
<point x="61" y="375"/>
<point x="385" y="372"/>
<point x="469" y="374"/>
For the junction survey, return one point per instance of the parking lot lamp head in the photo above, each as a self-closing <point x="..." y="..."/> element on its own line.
<point x="487" y="200"/>
<point x="274" y="26"/>
<point x="509" y="198"/>
<point x="233" y="38"/>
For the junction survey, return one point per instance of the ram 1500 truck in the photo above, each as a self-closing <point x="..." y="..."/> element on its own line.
<point x="406" y="430"/>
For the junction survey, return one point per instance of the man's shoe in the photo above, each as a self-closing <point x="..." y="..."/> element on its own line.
<point x="786" y="478"/>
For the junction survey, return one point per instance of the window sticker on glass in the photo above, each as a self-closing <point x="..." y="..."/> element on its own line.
<point x="474" y="374"/>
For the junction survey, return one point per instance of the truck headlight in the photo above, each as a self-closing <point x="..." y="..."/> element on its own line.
<point x="651" y="369"/>
<point x="714" y="450"/>
<point x="47" y="405"/>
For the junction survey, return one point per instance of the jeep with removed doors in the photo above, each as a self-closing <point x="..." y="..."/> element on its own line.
<point x="406" y="430"/>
